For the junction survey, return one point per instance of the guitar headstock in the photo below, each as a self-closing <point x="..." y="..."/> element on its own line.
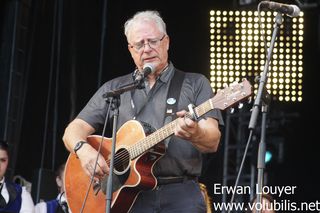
<point x="231" y="95"/>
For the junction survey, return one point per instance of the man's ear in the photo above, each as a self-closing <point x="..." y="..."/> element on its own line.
<point x="168" y="42"/>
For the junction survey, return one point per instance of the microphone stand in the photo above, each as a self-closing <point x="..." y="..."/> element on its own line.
<point x="113" y="98"/>
<point x="264" y="98"/>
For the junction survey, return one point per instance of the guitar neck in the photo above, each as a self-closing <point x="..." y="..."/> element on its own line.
<point x="223" y="99"/>
<point x="165" y="131"/>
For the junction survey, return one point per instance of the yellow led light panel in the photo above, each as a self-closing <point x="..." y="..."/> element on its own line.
<point x="237" y="51"/>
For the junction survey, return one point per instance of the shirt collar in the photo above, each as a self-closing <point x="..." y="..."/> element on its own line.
<point x="166" y="73"/>
<point x="164" y="76"/>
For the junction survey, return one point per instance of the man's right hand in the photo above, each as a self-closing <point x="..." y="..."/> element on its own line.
<point x="88" y="157"/>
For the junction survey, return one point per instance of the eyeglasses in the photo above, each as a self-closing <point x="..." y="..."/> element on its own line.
<point x="153" y="43"/>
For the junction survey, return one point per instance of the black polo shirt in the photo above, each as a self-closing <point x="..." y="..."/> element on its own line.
<point x="149" y="106"/>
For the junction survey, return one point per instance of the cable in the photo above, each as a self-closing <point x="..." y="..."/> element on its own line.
<point x="251" y="130"/>
<point x="49" y="85"/>
<point x="262" y="30"/>
<point x="103" y="35"/>
<point x="241" y="166"/>
<point x="96" y="162"/>
<point x="56" y="93"/>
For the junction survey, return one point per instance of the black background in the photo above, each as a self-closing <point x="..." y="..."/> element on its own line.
<point x="188" y="28"/>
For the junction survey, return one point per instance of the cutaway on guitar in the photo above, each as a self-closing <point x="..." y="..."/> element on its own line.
<point x="136" y="154"/>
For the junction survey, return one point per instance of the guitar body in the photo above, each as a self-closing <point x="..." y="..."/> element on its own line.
<point x="135" y="157"/>
<point x="130" y="177"/>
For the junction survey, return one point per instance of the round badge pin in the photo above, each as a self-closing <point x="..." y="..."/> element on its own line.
<point x="171" y="101"/>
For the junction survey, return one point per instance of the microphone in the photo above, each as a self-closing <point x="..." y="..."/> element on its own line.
<point x="147" y="69"/>
<point x="290" y="10"/>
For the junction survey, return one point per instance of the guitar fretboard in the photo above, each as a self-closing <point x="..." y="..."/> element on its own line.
<point x="164" y="132"/>
<point x="223" y="99"/>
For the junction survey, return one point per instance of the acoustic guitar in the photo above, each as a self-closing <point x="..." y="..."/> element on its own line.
<point x="136" y="154"/>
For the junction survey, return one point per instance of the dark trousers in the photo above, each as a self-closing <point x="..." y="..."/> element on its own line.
<point x="184" y="197"/>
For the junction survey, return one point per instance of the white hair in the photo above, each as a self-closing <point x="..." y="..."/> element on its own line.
<point x="148" y="15"/>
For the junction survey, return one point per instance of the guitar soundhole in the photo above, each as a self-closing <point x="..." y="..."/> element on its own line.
<point x="121" y="161"/>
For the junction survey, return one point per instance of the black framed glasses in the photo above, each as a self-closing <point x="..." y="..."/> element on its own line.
<point x="153" y="43"/>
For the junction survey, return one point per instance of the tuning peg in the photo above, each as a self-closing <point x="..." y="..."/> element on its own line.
<point x="231" y="110"/>
<point x="240" y="105"/>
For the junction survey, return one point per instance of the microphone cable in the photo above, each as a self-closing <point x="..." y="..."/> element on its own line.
<point x="240" y="168"/>
<point x="96" y="161"/>
<point x="251" y="131"/>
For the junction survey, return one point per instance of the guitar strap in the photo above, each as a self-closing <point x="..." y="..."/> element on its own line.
<point x="173" y="96"/>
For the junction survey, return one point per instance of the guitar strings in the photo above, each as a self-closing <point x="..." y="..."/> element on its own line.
<point x="123" y="155"/>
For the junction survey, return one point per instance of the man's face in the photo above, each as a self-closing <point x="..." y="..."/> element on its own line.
<point x="4" y="159"/>
<point x="154" y="45"/>
<point x="60" y="183"/>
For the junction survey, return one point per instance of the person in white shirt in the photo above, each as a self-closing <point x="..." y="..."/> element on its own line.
<point x="58" y="205"/>
<point x="13" y="197"/>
